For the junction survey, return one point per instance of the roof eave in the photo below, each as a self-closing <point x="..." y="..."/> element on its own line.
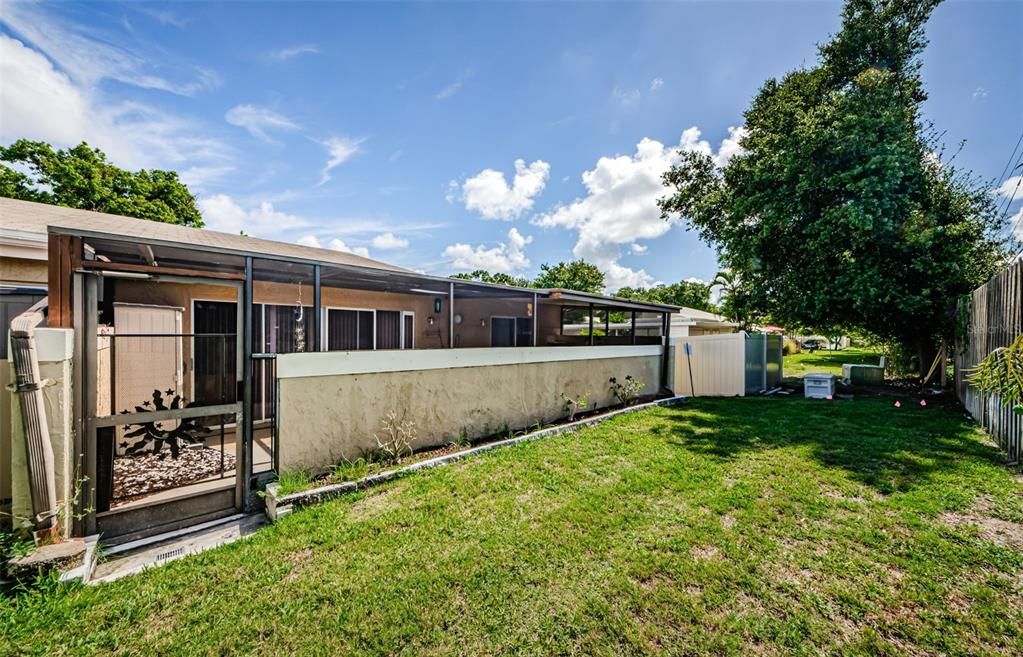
<point x="590" y="297"/>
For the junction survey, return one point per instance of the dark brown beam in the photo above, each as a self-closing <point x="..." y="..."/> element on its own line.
<point x="63" y="255"/>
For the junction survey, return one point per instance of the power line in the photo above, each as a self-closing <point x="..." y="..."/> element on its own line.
<point x="1012" y="156"/>
<point x="1005" y="211"/>
<point x="1008" y="204"/>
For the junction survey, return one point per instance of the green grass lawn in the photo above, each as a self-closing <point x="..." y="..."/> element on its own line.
<point x="724" y="527"/>
<point x="827" y="362"/>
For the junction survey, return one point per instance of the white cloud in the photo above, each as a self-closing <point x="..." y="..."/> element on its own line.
<point x="386" y="241"/>
<point x="449" y="91"/>
<point x="395" y="156"/>
<point x="1010" y="186"/>
<point x="257" y="120"/>
<point x="621" y="204"/>
<point x="638" y="249"/>
<point x="221" y="212"/>
<point x="199" y="178"/>
<point x="453" y="88"/>
<point x="285" y="54"/>
<point x="506" y="258"/>
<point x="656" y="84"/>
<point x="162" y="16"/>
<point x="334" y="245"/>
<point x="730" y="145"/>
<point x="980" y="92"/>
<point x="88" y="56"/>
<point x="626" y="98"/>
<point x="490" y="194"/>
<point x="339" y="151"/>
<point x="40" y="102"/>
<point x="1016" y="223"/>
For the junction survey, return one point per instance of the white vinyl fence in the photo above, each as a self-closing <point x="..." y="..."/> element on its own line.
<point x="726" y="365"/>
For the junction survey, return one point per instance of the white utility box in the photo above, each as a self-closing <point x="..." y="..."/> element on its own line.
<point x="818" y="386"/>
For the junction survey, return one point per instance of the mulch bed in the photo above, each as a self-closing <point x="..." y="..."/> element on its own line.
<point x="138" y="476"/>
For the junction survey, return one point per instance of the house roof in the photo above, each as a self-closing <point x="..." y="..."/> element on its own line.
<point x="28" y="218"/>
<point x="695" y="317"/>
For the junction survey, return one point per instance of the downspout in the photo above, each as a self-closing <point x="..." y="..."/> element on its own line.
<point x="28" y="387"/>
<point x="451" y="316"/>
<point x="666" y="354"/>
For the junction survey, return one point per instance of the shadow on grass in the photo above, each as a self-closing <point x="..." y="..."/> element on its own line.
<point x="887" y="448"/>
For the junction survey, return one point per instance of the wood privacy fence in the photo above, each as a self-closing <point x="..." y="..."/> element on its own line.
<point x="994" y="318"/>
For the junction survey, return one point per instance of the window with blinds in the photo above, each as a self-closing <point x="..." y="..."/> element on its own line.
<point x="350" y="330"/>
<point x="388" y="329"/>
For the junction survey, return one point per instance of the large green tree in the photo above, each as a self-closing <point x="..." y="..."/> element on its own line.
<point x="691" y="294"/>
<point x="576" y="275"/>
<point x="498" y="278"/>
<point x="82" y="177"/>
<point x="840" y="213"/>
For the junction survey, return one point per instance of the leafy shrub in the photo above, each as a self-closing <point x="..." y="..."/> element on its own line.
<point x="625" y="391"/>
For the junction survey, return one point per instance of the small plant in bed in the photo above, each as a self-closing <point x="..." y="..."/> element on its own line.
<point x="573" y="404"/>
<point x="627" y="390"/>
<point x="398" y="435"/>
<point x="351" y="470"/>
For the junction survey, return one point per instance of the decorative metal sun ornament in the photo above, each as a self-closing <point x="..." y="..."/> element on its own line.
<point x="150" y="435"/>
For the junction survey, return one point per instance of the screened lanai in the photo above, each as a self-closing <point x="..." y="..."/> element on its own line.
<point x="178" y="333"/>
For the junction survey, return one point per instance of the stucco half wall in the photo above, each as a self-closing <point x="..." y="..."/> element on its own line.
<point x="332" y="404"/>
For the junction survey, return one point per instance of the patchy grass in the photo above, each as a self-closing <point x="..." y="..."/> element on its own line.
<point x="293" y="481"/>
<point x="827" y="362"/>
<point x="724" y="527"/>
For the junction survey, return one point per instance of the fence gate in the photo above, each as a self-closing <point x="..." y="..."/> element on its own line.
<point x="162" y="445"/>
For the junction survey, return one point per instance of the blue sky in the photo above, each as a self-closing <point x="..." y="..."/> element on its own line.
<point x="445" y="137"/>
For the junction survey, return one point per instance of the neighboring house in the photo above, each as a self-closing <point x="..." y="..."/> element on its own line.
<point x="189" y="364"/>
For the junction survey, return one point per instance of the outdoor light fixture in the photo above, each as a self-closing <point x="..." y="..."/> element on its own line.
<point x="529" y="310"/>
<point x="458" y="318"/>
<point x="429" y="320"/>
<point x="436" y="305"/>
<point x="483" y="323"/>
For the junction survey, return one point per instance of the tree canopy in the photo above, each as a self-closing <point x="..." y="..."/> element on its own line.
<point x="691" y="294"/>
<point x="82" y="177"/>
<point x="840" y="213"/>
<point x="576" y="275"/>
<point x="499" y="278"/>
